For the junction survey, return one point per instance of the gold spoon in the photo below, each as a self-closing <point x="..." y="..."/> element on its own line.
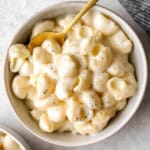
<point x="59" y="37"/>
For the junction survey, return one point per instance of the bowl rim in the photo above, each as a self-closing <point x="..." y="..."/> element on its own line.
<point x="15" y="136"/>
<point x="123" y="123"/>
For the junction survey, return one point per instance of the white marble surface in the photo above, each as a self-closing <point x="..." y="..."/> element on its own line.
<point x="134" y="136"/>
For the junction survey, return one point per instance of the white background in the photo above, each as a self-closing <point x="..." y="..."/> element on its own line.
<point x="134" y="136"/>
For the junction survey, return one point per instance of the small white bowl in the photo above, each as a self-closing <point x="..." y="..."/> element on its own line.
<point x="23" y="145"/>
<point x="68" y="139"/>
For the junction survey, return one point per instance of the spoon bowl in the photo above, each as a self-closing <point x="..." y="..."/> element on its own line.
<point x="38" y="40"/>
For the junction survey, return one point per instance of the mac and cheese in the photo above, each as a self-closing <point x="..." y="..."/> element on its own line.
<point x="80" y="85"/>
<point x="8" y="143"/>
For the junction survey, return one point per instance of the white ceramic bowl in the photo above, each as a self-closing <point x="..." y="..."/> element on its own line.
<point x="23" y="145"/>
<point x="67" y="139"/>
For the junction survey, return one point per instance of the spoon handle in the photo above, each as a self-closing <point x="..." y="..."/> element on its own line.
<point x="90" y="4"/>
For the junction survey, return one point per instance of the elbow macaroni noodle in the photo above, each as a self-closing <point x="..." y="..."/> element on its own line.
<point x="81" y="85"/>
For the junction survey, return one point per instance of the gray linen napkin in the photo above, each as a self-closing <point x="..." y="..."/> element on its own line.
<point x="140" y="11"/>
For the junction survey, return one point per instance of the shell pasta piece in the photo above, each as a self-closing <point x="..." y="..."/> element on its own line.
<point x="84" y="32"/>
<point x="42" y="26"/>
<point x="45" y="86"/>
<point x="104" y="24"/>
<point x="47" y="125"/>
<point x="108" y="100"/>
<point x="100" y="81"/>
<point x="36" y="114"/>
<point x="122" y="88"/>
<point x="100" y="22"/>
<point x="51" y="46"/>
<point x="83" y="81"/>
<point x="26" y="69"/>
<point x="91" y="100"/>
<point x="20" y="86"/>
<point x="18" y="53"/>
<point x="100" y="58"/>
<point x="120" y="66"/>
<point x="56" y="113"/>
<point x="77" y="112"/>
<point x="45" y="103"/>
<point x="120" y="42"/>
<point x="64" y="88"/>
<point x="66" y="66"/>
